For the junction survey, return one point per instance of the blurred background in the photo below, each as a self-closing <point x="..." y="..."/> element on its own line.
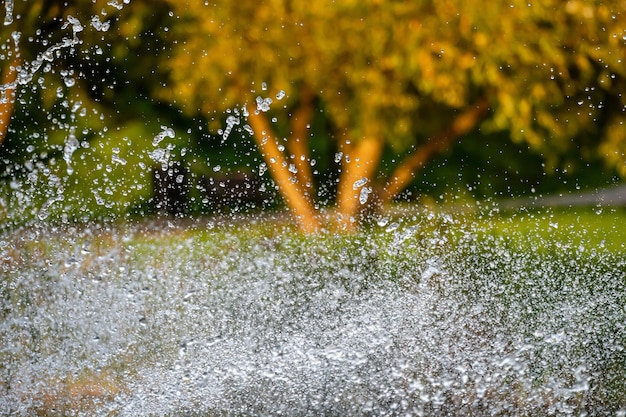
<point x="123" y="109"/>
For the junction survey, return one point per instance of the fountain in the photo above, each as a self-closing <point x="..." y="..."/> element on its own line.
<point x="424" y="312"/>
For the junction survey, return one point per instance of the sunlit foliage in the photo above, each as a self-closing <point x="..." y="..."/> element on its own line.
<point x="551" y="72"/>
<point x="398" y="77"/>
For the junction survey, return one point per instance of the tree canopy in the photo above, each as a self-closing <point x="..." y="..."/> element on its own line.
<point x="399" y="78"/>
<point x="410" y="76"/>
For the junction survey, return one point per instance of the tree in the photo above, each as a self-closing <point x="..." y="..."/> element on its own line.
<point x="410" y="76"/>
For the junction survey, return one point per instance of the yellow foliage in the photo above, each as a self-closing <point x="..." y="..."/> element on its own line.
<point x="399" y="68"/>
<point x="613" y="147"/>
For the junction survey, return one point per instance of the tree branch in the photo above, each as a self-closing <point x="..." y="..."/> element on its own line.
<point x="288" y="186"/>
<point x="405" y="172"/>
<point x="360" y="163"/>
<point x="7" y="100"/>
<point x="298" y="142"/>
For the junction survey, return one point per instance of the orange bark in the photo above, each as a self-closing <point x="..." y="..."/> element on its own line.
<point x="288" y="185"/>
<point x="298" y="142"/>
<point x="405" y="172"/>
<point x="7" y="105"/>
<point x="359" y="165"/>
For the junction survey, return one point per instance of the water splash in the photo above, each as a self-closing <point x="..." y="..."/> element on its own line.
<point x="71" y="145"/>
<point x="389" y="323"/>
<point x="263" y="104"/>
<point x="231" y="121"/>
<point x="8" y="12"/>
<point x="119" y="5"/>
<point x="30" y="69"/>
<point x="359" y="183"/>
<point x="166" y="132"/>
<point x="364" y="194"/>
<point x="100" y="25"/>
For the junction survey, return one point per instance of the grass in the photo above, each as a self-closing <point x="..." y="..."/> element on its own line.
<point x="601" y="229"/>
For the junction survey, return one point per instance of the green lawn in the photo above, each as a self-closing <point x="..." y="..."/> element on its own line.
<point x="599" y="229"/>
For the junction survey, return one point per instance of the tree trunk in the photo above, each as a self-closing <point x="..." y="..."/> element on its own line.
<point x="405" y="172"/>
<point x="298" y="141"/>
<point x="355" y="182"/>
<point x="7" y="100"/>
<point x="290" y="189"/>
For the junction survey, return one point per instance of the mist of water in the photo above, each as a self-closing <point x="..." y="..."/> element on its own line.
<point x="416" y="321"/>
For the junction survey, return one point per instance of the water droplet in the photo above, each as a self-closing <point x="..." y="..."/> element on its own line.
<point x="382" y="222"/>
<point x="248" y="129"/>
<point x="99" y="25"/>
<point x="263" y="104"/>
<point x="75" y="23"/>
<point x="364" y="194"/>
<point x="231" y="121"/>
<point x="71" y="145"/>
<point x="43" y="214"/>
<point x="359" y="183"/>
<point x="76" y="106"/>
<point x="166" y="132"/>
<point x="8" y="16"/>
<point x="117" y="160"/>
<point x="116" y="4"/>
<point x="160" y="155"/>
<point x="85" y="247"/>
<point x="393" y="226"/>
